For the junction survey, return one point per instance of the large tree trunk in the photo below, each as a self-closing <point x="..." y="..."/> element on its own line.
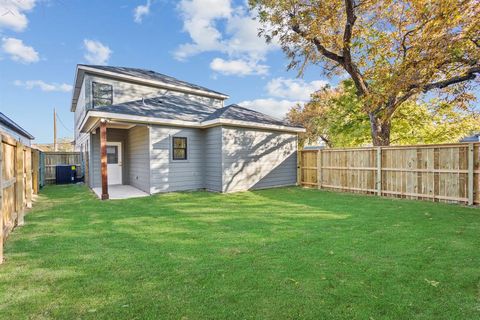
<point x="380" y="130"/>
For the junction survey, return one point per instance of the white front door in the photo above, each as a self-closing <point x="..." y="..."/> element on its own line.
<point x="114" y="162"/>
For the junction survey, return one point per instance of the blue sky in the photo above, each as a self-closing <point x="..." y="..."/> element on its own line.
<point x="208" y="42"/>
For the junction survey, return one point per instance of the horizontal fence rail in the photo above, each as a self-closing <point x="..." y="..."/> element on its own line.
<point x="447" y="173"/>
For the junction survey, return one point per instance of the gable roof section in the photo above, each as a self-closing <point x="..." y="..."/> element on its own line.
<point x="143" y="76"/>
<point x="172" y="109"/>
<point x="237" y="113"/>
<point x="12" y="125"/>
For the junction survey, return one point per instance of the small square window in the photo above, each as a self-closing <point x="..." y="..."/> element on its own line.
<point x="179" y="148"/>
<point x="112" y="154"/>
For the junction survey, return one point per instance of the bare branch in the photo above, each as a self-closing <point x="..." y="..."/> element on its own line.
<point x="470" y="74"/>
<point x="327" y="53"/>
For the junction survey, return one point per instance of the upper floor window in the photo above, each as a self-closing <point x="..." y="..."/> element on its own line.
<point x="102" y="94"/>
<point x="179" y="147"/>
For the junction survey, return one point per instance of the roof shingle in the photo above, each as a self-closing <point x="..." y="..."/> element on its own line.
<point x="176" y="107"/>
<point x="151" y="75"/>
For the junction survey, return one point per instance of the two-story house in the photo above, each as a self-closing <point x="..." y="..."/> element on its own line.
<point x="158" y="134"/>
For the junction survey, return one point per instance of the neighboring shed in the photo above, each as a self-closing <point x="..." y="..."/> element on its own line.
<point x="11" y="128"/>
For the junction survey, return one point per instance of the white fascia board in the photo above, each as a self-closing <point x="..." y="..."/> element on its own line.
<point x="182" y="123"/>
<point x="155" y="83"/>
<point x="76" y="89"/>
<point x="139" y="119"/>
<point x="248" y="124"/>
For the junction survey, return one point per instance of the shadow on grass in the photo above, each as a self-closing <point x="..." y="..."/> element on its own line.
<point x="269" y="254"/>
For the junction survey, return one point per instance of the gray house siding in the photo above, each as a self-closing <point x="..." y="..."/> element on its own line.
<point x="138" y="156"/>
<point x="15" y="135"/>
<point x="221" y="159"/>
<point x="113" y="135"/>
<point x="254" y="159"/>
<point x="169" y="175"/>
<point x="213" y="159"/>
<point x="124" y="91"/>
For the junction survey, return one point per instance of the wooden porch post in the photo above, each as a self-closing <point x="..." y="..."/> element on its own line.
<point x="103" y="157"/>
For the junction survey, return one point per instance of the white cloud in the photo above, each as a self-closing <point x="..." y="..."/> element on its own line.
<point x="294" y="89"/>
<point x="238" y="67"/>
<point x="44" y="86"/>
<point x="18" y="51"/>
<point x="284" y="94"/>
<point x="199" y="18"/>
<point x="141" y="11"/>
<point x="215" y="25"/>
<point x="12" y="14"/>
<point x="273" y="107"/>
<point x="97" y="52"/>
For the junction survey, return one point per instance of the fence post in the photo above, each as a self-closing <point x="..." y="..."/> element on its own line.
<point x="28" y="177"/>
<point x="299" y="167"/>
<point x="319" y="169"/>
<point x="19" y="184"/>
<point x="379" y="171"/>
<point x="1" y="199"/>
<point x="470" y="173"/>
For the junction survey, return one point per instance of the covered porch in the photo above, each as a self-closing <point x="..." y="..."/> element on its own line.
<point x="120" y="164"/>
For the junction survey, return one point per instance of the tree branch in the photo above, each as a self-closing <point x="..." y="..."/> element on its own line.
<point x="348" y="64"/>
<point x="327" y="53"/>
<point x="470" y="74"/>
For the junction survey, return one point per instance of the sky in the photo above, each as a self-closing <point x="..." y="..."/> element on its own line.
<point x="212" y="43"/>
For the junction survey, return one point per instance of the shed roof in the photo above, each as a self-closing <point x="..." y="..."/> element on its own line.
<point x="12" y="125"/>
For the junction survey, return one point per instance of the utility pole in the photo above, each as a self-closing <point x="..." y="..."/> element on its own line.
<point x="54" y="130"/>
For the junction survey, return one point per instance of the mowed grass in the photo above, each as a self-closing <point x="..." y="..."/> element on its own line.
<point x="285" y="253"/>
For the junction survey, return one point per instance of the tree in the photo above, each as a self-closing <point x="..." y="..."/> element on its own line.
<point x="334" y="116"/>
<point x="393" y="51"/>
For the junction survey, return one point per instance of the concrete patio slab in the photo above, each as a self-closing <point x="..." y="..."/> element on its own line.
<point x="121" y="191"/>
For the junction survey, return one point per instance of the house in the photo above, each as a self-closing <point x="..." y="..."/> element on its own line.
<point x="159" y="134"/>
<point x="12" y="129"/>
<point x="472" y="138"/>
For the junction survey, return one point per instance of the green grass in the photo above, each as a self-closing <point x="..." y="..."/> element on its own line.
<point x="274" y="254"/>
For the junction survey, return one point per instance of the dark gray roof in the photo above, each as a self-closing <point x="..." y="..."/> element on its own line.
<point x="236" y="112"/>
<point x="174" y="107"/>
<point x="151" y="75"/>
<point x="9" y="123"/>
<point x="168" y="106"/>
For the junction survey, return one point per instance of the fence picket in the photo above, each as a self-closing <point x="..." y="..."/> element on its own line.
<point x="447" y="172"/>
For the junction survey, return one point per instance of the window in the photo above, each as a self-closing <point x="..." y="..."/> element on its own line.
<point x="179" y="147"/>
<point x="112" y="154"/>
<point x="102" y="94"/>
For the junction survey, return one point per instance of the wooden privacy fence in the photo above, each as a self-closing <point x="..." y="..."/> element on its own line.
<point x="447" y="173"/>
<point x="18" y="181"/>
<point x="52" y="159"/>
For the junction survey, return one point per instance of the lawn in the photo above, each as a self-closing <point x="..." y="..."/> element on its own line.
<point x="285" y="253"/>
